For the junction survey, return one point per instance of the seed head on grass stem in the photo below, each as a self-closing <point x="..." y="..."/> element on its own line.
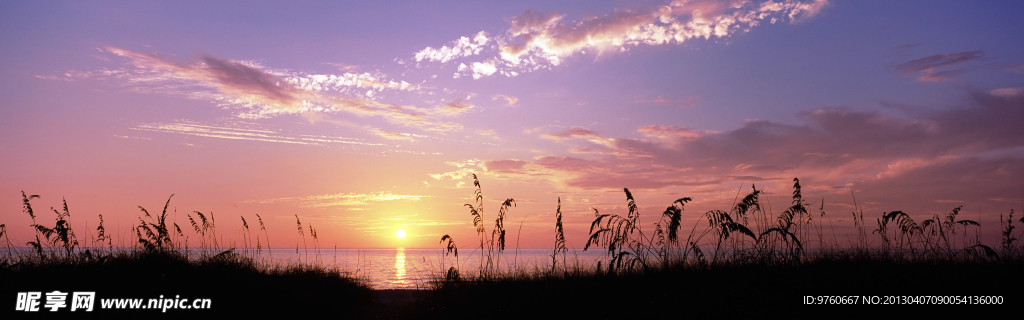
<point x="298" y="225"/>
<point x="559" y="238"/>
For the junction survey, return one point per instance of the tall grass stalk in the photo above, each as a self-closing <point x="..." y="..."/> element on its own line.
<point x="298" y="225"/>
<point x="559" y="238"/>
<point x="496" y="244"/>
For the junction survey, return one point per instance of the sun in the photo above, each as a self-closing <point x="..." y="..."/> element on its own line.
<point x="400" y="234"/>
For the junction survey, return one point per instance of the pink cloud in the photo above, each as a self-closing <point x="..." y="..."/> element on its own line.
<point x="503" y="165"/>
<point x="537" y="40"/>
<point x="266" y="94"/>
<point x="668" y="133"/>
<point x="940" y="76"/>
<point x="454" y="108"/>
<point x="929" y="65"/>
<point x="831" y="147"/>
<point x="552" y="39"/>
<point x="574" y="132"/>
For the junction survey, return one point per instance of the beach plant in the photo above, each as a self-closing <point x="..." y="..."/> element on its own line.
<point x="858" y="224"/>
<point x="453" y="271"/>
<point x="906" y="232"/>
<point x="298" y="226"/>
<point x="246" y="235"/>
<point x="783" y="228"/>
<point x="477" y="212"/>
<point x="747" y="234"/>
<point x="206" y="229"/>
<point x="27" y="208"/>
<point x="615" y="234"/>
<point x="822" y="245"/>
<point x="154" y="235"/>
<point x="316" y="242"/>
<point x="494" y="246"/>
<point x="627" y="245"/>
<point x="631" y="249"/>
<point x="60" y="233"/>
<point x="180" y="235"/>
<point x="264" y="228"/>
<point x="668" y="235"/>
<point x="945" y="229"/>
<point x="3" y="233"/>
<point x="498" y="232"/>
<point x="559" y="238"/>
<point x="1009" y="241"/>
<point x="929" y="240"/>
<point x="723" y="225"/>
<point x="101" y="235"/>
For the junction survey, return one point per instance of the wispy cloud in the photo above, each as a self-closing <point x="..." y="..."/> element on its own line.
<point x="929" y="65"/>
<point x="261" y="93"/>
<point x="317" y="117"/>
<point x="344" y="199"/>
<point x="941" y="75"/>
<point x="682" y="103"/>
<point x="503" y="165"/>
<point x="1007" y="92"/>
<point x="508" y="99"/>
<point x="669" y="134"/>
<point x="236" y="133"/>
<point x="580" y="133"/>
<point x="376" y="224"/>
<point x="537" y="40"/>
<point x="453" y="109"/>
<point x="834" y="146"/>
<point x="465" y="169"/>
<point x="463" y="47"/>
<point x="235" y="79"/>
<point x="348" y="82"/>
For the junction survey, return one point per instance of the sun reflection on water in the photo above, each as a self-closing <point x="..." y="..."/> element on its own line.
<point x="399" y="268"/>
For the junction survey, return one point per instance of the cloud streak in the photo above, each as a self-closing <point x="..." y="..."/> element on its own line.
<point x="928" y="66"/>
<point x="263" y="93"/>
<point x="833" y="146"/>
<point x="537" y="40"/>
<point x="463" y="47"/>
<point x="234" y="133"/>
<point x="344" y="199"/>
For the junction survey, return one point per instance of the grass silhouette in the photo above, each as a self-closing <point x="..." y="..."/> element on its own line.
<point x="754" y="269"/>
<point x="744" y="261"/>
<point x="238" y="283"/>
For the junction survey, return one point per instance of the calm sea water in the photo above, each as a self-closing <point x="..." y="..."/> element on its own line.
<point x="402" y="268"/>
<point x="399" y="268"/>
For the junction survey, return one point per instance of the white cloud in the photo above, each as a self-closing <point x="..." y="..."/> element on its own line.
<point x="538" y="40"/>
<point x="251" y="134"/>
<point x="485" y="68"/>
<point x="258" y="92"/>
<point x="463" y="47"/>
<point x="508" y="99"/>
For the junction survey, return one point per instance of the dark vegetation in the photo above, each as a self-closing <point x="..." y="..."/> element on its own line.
<point x="164" y="263"/>
<point x="744" y="261"/>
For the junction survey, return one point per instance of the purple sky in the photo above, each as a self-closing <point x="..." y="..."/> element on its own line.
<point x="367" y="118"/>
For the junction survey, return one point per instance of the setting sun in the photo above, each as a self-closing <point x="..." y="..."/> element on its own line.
<point x="400" y="234"/>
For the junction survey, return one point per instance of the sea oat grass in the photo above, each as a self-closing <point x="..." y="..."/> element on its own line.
<point x="238" y="284"/>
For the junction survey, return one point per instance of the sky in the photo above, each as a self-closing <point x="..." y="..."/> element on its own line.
<point x="361" y="118"/>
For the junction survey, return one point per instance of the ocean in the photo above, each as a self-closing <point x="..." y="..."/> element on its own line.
<point x="402" y="268"/>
